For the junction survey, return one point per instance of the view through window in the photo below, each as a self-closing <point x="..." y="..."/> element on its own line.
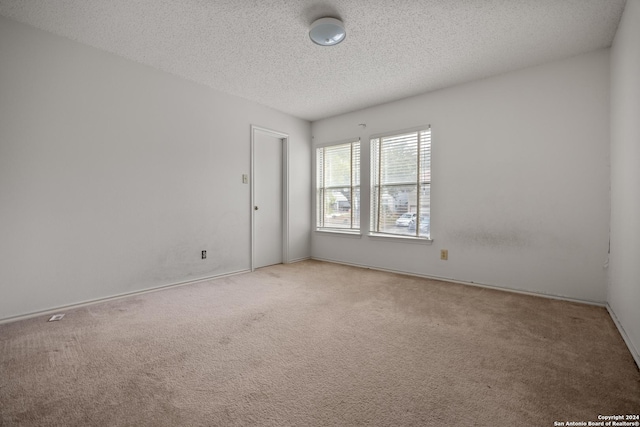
<point x="338" y="186"/>
<point x="401" y="184"/>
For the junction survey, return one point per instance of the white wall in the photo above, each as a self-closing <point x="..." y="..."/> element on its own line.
<point x="624" y="286"/>
<point x="114" y="176"/>
<point x="520" y="193"/>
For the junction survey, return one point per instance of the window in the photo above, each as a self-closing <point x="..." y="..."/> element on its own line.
<point x="401" y="184"/>
<point x="338" y="186"/>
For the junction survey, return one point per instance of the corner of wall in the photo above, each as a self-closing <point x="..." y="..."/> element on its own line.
<point x="623" y="291"/>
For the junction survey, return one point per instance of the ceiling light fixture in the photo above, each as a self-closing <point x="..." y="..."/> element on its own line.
<point x="327" y="31"/>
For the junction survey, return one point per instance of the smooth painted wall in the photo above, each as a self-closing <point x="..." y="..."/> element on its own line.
<point x="520" y="180"/>
<point x="624" y="286"/>
<point x="114" y="176"/>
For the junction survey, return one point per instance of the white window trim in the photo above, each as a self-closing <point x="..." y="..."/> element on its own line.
<point x="399" y="132"/>
<point x="341" y="142"/>
<point x="341" y="232"/>
<point x="346" y="232"/>
<point x="389" y="236"/>
<point x="401" y="238"/>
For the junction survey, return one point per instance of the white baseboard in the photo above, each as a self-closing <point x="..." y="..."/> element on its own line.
<point x="291" y="261"/>
<point x="634" y="351"/>
<point x="480" y="285"/>
<point x="58" y="309"/>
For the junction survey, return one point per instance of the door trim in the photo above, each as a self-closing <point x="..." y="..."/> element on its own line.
<point x="285" y="191"/>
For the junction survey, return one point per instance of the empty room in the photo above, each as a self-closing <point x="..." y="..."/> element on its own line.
<point x="319" y="213"/>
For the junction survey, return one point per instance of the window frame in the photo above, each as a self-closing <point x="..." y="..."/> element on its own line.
<point x="376" y="185"/>
<point x="321" y="189"/>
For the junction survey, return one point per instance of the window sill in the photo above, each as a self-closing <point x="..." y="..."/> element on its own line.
<point x="342" y="233"/>
<point x="401" y="239"/>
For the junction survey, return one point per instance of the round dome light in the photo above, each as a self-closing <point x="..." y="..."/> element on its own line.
<point x="327" y="31"/>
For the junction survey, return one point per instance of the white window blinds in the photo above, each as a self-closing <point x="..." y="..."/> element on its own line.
<point x="338" y="186"/>
<point x="401" y="184"/>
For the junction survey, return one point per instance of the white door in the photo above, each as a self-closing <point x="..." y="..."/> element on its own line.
<point x="267" y="198"/>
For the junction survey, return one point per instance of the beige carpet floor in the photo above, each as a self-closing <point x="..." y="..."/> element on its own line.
<point x="317" y="344"/>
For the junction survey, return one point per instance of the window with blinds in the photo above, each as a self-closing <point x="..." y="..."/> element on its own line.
<point x="338" y="186"/>
<point x="401" y="184"/>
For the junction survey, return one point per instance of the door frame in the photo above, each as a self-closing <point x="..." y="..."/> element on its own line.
<point x="285" y="191"/>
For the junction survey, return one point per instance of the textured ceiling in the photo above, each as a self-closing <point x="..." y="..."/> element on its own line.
<point x="260" y="49"/>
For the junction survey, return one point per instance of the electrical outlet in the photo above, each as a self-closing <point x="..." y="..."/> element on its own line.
<point x="444" y="254"/>
<point x="245" y="178"/>
<point x="204" y="254"/>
